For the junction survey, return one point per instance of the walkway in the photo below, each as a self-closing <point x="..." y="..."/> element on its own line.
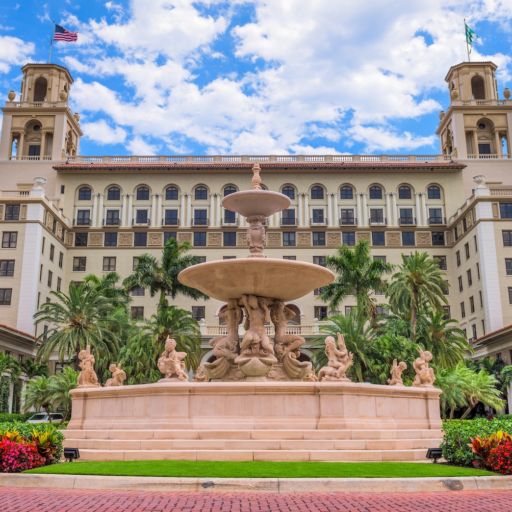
<point x="49" y="500"/>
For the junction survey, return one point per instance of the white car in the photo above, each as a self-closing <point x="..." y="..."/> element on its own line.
<point x="43" y="417"/>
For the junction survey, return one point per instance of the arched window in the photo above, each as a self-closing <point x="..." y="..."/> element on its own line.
<point x="114" y="193"/>
<point x="375" y="192"/>
<point x="142" y="193"/>
<point x="346" y="192"/>
<point x="288" y="191"/>
<point x="317" y="192"/>
<point x="229" y="189"/>
<point x="84" y="193"/>
<point x="404" y="192"/>
<point x="201" y="192"/>
<point x="434" y="192"/>
<point x="478" y="87"/>
<point x="171" y="193"/>
<point x="40" y="88"/>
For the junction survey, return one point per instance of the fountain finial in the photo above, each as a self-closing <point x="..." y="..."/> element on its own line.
<point x="256" y="178"/>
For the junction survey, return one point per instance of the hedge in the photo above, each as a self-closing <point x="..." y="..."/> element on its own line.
<point x="10" y="417"/>
<point x="458" y="435"/>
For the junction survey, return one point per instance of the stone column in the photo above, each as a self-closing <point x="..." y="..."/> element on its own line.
<point x="218" y="209"/>
<point x="43" y="142"/>
<point x="124" y="211"/>
<point x="129" y="215"/>
<point x="188" y="200"/>
<point x="475" y="144"/>
<point x="182" y="213"/>
<point x="419" y="217"/>
<point x="299" y="210"/>
<point x="335" y="216"/>
<point x="158" y="221"/>
<point x="329" y="210"/>
<point x="19" y="148"/>
<point x="424" y="211"/>
<point x="498" y="143"/>
<point x="359" y="212"/>
<point x="100" y="210"/>
<point x="364" y="209"/>
<point x="306" y="211"/>
<point x="394" y="212"/>
<point x="211" y="217"/>
<point x="153" y="211"/>
<point x="388" y="209"/>
<point x="94" y="220"/>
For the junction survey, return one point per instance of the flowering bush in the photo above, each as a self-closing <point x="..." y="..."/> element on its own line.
<point x="16" y="457"/>
<point x="500" y="458"/>
<point x="482" y="447"/>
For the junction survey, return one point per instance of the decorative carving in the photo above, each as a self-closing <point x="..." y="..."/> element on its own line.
<point x="273" y="239"/>
<point x="256" y="237"/>
<point x="396" y="373"/>
<point x="363" y="235"/>
<point x="171" y="363"/>
<point x="125" y="239"/>
<point x="256" y="178"/>
<point x="303" y="239"/>
<point x="87" y="377"/>
<point x="118" y="375"/>
<point x="11" y="95"/>
<point x="333" y="239"/>
<point x="155" y="239"/>
<point x="339" y="360"/>
<point x="215" y="239"/>
<point x="184" y="236"/>
<point x="424" y="374"/>
<point x="393" y="238"/>
<point x="96" y="239"/>
<point x="423" y="238"/>
<point x="201" y="375"/>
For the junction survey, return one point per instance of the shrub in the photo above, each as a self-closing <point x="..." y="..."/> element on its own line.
<point x="458" y="434"/>
<point x="482" y="447"/>
<point x="16" y="456"/>
<point x="500" y="457"/>
<point x="12" y="417"/>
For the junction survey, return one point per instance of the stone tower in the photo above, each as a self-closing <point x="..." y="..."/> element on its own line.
<point x="40" y="126"/>
<point x="477" y="124"/>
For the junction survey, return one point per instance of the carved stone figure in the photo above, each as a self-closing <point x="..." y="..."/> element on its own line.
<point x="87" y="377"/>
<point x="118" y="376"/>
<point x="424" y="374"/>
<point x="256" y="178"/>
<point x="396" y="373"/>
<point x="171" y="363"/>
<point x="225" y="347"/>
<point x="256" y="236"/>
<point x="201" y="374"/>
<point x="286" y="346"/>
<point x="339" y="360"/>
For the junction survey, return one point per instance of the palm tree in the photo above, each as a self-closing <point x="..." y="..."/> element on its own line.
<point x="77" y="319"/>
<point x="138" y="358"/>
<point x="418" y="284"/>
<point x="162" y="276"/>
<point x="442" y="337"/>
<point x="358" y="274"/>
<point x="32" y="368"/>
<point x="9" y="372"/>
<point x="59" y="387"/>
<point x="359" y="336"/>
<point x="37" y="394"/>
<point x="107" y="285"/>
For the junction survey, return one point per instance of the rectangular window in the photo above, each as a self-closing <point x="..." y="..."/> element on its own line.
<point x="43" y="245"/>
<point x="470" y="277"/>
<point x="83" y="217"/>
<point x="441" y="262"/>
<point x="229" y="238"/>
<point x="137" y="312"/>
<point x="446" y="287"/>
<point x="406" y="216"/>
<point x="138" y="291"/>
<point x="446" y="312"/>
<point x="408" y="238"/>
<point x="478" y="271"/>
<point x="50" y="278"/>
<point x="52" y="252"/>
<point x="140" y="239"/>
<point x="109" y="263"/>
<point x="141" y="217"/>
<point x="289" y="239"/>
<point x="168" y="235"/>
<point x="317" y="215"/>
<point x="41" y="272"/>
<point x="135" y="263"/>
<point x="81" y="239"/>
<point x="229" y="257"/>
<point x="319" y="260"/>
<point x="171" y="217"/>
<point x="380" y="258"/>
<point x="61" y="259"/>
<point x="462" y="310"/>
<point x="320" y="312"/>
<point x="9" y="239"/>
<point x="110" y="239"/>
<point x="200" y="217"/>
<point x="435" y="216"/>
<point x="378" y="238"/>
<point x="198" y="313"/>
<point x="349" y="310"/>
<point x="508" y="266"/>
<point x="348" y="237"/>
<point x="438" y="238"/>
<point x="471" y="304"/>
<point x="347" y="217"/>
<point x="461" y="285"/>
<point x="288" y="217"/>
<point x="5" y="296"/>
<point x="466" y="250"/>
<point x="6" y="268"/>
<point x="510" y="295"/>
<point x="59" y="283"/>
<point x="506" y="210"/>
<point x="483" y="327"/>
<point x="12" y="212"/>
<point x="200" y="238"/>
<point x="112" y="218"/>
<point x="200" y="259"/>
<point x="318" y="238"/>
<point x="457" y="257"/>
<point x="293" y="258"/>
<point x="229" y="217"/>
<point x="481" y="299"/>
<point x="79" y="263"/>
<point x="376" y="216"/>
<point x="473" y="331"/>
<point x="507" y="238"/>
<point x="476" y="243"/>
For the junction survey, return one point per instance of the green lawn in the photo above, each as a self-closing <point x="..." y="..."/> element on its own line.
<point x="225" y="469"/>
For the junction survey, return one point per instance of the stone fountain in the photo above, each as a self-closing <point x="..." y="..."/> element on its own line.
<point x="257" y="288"/>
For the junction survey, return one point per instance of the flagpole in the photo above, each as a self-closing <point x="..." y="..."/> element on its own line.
<point x="51" y="44"/>
<point x="467" y="44"/>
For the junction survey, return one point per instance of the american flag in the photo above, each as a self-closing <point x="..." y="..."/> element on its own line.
<point x="61" y="34"/>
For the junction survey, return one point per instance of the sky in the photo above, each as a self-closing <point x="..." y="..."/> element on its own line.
<point x="256" y="77"/>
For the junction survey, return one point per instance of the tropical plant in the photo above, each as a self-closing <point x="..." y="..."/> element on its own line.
<point x="59" y="387"/>
<point x="32" y="368"/>
<point x="358" y="274"/>
<point x="108" y="286"/>
<point x="77" y="319"/>
<point x="417" y="285"/>
<point x="138" y="358"/>
<point x="37" y="394"/>
<point x="162" y="276"/>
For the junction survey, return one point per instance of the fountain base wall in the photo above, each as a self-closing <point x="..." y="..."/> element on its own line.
<point x="255" y="421"/>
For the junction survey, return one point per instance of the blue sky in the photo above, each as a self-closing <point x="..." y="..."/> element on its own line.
<point x="256" y="77"/>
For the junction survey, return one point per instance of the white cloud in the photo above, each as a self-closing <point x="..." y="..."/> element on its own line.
<point x="138" y="146"/>
<point x="378" y="138"/>
<point x="13" y="51"/>
<point x="102" y="133"/>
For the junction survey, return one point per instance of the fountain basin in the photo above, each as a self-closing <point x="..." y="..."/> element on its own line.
<point x="252" y="203"/>
<point x="265" y="277"/>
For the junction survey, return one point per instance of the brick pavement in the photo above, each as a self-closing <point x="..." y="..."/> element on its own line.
<point x="56" y="500"/>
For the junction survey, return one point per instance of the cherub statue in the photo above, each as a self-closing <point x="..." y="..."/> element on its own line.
<point x="339" y="360"/>
<point x="256" y="340"/>
<point x="424" y="374"/>
<point x="171" y="363"/>
<point x="87" y="377"/>
<point x="396" y="373"/>
<point x="118" y="375"/>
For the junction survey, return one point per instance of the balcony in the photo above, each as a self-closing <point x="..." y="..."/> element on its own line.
<point x="301" y="329"/>
<point x="437" y="220"/>
<point x="146" y="222"/>
<point x="318" y="222"/>
<point x="378" y="221"/>
<point x="171" y="222"/>
<point x="348" y="221"/>
<point x="82" y="222"/>
<point x="200" y="221"/>
<point x="115" y="221"/>
<point x="288" y="221"/>
<point x="407" y="221"/>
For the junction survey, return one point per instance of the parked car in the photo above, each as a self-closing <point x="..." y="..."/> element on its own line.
<point x="43" y="417"/>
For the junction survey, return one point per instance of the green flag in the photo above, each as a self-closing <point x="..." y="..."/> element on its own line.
<point x="470" y="34"/>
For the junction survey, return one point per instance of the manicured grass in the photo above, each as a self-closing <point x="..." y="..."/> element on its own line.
<point x="225" y="469"/>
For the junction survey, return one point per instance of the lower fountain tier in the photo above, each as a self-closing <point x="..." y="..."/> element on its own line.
<point x="255" y="421"/>
<point x="264" y="277"/>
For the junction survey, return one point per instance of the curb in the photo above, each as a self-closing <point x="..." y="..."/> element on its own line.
<point x="277" y="485"/>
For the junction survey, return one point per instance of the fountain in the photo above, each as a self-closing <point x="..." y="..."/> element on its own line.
<point x="259" y="287"/>
<point x="256" y="400"/>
